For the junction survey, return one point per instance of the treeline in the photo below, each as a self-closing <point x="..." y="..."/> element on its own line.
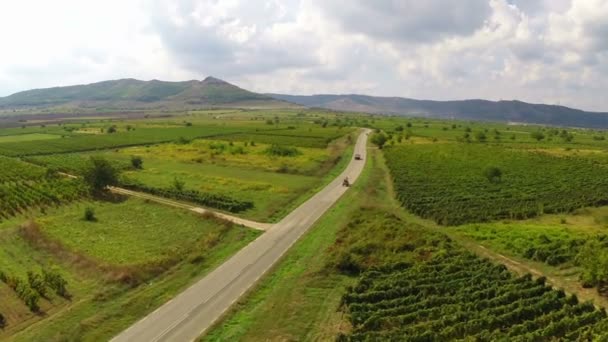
<point x="457" y="295"/>
<point x="35" y="287"/>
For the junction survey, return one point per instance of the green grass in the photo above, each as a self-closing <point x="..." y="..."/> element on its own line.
<point x="28" y="137"/>
<point x="95" y="257"/>
<point x="128" y="233"/>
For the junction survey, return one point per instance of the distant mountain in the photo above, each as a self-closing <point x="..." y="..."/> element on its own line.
<point x="131" y="93"/>
<point x="479" y="110"/>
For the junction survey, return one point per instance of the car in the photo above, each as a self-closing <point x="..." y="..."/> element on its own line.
<point x="358" y="157"/>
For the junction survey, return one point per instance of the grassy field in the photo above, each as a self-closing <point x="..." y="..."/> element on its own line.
<point x="28" y="137"/>
<point x="135" y="252"/>
<point x="128" y="233"/>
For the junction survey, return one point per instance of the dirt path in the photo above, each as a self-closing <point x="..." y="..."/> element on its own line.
<point x="198" y="210"/>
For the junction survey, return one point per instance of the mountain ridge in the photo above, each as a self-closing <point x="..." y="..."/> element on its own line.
<point x="132" y="92"/>
<point x="470" y="109"/>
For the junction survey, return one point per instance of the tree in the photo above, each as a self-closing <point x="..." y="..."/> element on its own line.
<point x="2" y="321"/>
<point x="100" y="174"/>
<point x="493" y="174"/>
<point x="178" y="184"/>
<point x="137" y="162"/>
<point x="537" y="135"/>
<point x="89" y="214"/>
<point x="379" y="139"/>
<point x="112" y="129"/>
<point x="481" y="137"/>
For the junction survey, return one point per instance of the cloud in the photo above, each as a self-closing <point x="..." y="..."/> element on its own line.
<point x="552" y="51"/>
<point x="408" y="20"/>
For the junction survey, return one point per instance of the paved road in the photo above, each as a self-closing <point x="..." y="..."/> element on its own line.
<point x="191" y="313"/>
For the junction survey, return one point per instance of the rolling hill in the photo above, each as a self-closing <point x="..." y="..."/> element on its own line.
<point x="502" y="111"/>
<point x="131" y="93"/>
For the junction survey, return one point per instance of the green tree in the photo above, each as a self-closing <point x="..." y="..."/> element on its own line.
<point x="89" y="214"/>
<point x="493" y="174"/>
<point x="481" y="137"/>
<point x="379" y="139"/>
<point x="178" y="184"/>
<point x="137" y="162"/>
<point x="100" y="174"/>
<point x="537" y="135"/>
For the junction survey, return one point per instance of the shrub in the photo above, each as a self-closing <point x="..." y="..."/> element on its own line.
<point x="89" y="214"/>
<point x="493" y="174"/>
<point x="282" y="151"/>
<point x="137" y="162"/>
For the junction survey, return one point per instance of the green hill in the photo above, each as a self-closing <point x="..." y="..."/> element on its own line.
<point x="131" y="93"/>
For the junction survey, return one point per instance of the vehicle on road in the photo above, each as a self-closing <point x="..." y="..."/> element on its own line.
<point x="346" y="182"/>
<point x="358" y="157"/>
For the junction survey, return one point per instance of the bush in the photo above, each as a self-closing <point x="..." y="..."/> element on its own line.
<point x="137" y="162"/>
<point x="89" y="214"/>
<point x="493" y="174"/>
<point x="2" y="321"/>
<point x="282" y="151"/>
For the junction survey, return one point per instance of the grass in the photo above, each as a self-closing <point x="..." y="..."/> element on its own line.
<point x="28" y="137"/>
<point x="128" y="236"/>
<point x="127" y="233"/>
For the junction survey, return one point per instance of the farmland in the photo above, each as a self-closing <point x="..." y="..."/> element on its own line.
<point x="24" y="186"/>
<point x="103" y="261"/>
<point x="264" y="179"/>
<point x="386" y="262"/>
<point x="458" y="295"/>
<point x="449" y="182"/>
<point x="70" y="257"/>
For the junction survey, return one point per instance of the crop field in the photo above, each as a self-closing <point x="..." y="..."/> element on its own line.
<point x="460" y="296"/>
<point x="91" y="142"/>
<point x="28" y="137"/>
<point x="449" y="183"/>
<point x="104" y="260"/>
<point x="24" y="186"/>
<point x="574" y="244"/>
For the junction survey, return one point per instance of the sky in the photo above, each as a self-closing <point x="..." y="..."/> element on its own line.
<point x="541" y="51"/>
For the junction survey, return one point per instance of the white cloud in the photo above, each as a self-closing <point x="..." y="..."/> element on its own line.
<point x="551" y="51"/>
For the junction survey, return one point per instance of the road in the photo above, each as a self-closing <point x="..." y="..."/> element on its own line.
<point x="192" y="312"/>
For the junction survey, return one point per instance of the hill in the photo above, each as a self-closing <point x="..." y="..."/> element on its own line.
<point x="502" y="111"/>
<point x="133" y="94"/>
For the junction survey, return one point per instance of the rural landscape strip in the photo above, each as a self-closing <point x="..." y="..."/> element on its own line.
<point x="192" y="312"/>
<point x="198" y="210"/>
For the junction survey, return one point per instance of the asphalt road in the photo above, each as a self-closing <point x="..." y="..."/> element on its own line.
<point x="192" y="312"/>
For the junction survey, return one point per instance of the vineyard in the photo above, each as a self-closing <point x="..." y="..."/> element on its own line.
<point x="23" y="186"/>
<point x="301" y="137"/>
<point x="210" y="200"/>
<point x="460" y="296"/>
<point x="91" y="142"/>
<point x="449" y="183"/>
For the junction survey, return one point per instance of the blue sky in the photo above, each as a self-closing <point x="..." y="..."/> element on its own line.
<point x="534" y="50"/>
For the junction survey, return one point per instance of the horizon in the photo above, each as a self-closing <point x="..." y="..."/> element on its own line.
<point x="551" y="52"/>
<point x="314" y="94"/>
